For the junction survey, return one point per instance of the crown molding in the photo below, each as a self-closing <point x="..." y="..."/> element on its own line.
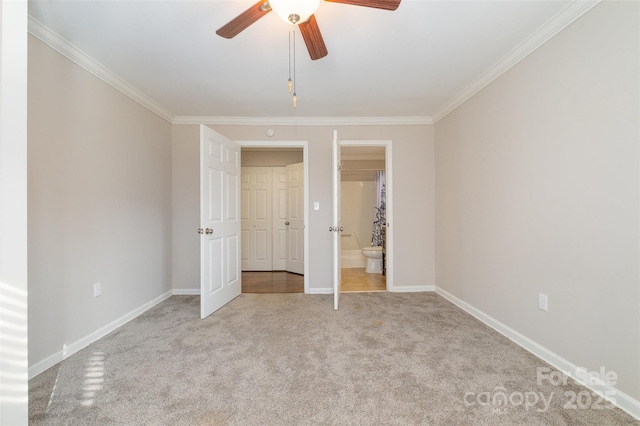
<point x="553" y="26"/>
<point x="77" y="56"/>
<point x="304" y="121"/>
<point x="557" y="23"/>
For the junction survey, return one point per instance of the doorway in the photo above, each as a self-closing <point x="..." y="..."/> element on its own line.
<point x="274" y="238"/>
<point x="364" y="220"/>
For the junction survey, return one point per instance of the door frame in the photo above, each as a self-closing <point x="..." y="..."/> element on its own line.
<point x="305" y="160"/>
<point x="387" y="144"/>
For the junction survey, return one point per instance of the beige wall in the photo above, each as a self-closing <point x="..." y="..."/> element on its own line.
<point x="537" y="192"/>
<point x="99" y="203"/>
<point x="361" y="170"/>
<point x="270" y="158"/>
<point x="413" y="157"/>
<point x="185" y="206"/>
<point x="356" y="213"/>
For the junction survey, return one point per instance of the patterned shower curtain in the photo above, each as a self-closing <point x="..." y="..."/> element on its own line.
<point x="379" y="209"/>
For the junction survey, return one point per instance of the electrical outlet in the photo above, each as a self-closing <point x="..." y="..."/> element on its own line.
<point x="97" y="290"/>
<point x="542" y="302"/>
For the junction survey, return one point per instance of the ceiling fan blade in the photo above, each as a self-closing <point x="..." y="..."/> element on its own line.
<point x="313" y="38"/>
<point x="377" y="4"/>
<point x="246" y="18"/>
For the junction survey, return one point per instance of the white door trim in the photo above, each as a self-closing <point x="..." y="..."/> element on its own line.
<point x="13" y="213"/>
<point x="336" y="180"/>
<point x="389" y="185"/>
<point x="305" y="159"/>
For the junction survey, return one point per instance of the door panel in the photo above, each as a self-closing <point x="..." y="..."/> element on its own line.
<point x="233" y="266"/>
<point x="261" y="204"/>
<point x="215" y="273"/>
<point x="293" y="244"/>
<point x="262" y="241"/>
<point x="214" y="209"/>
<point x="245" y="244"/>
<point x="220" y="280"/>
<point x="295" y="217"/>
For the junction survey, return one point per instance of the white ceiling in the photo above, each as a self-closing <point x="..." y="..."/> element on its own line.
<point x="406" y="63"/>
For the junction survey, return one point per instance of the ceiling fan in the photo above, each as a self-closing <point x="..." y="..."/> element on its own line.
<point x="298" y="12"/>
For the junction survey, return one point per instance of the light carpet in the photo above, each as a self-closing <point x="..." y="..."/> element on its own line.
<point x="290" y="359"/>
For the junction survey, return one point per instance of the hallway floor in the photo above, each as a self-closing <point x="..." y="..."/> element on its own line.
<point x="272" y="282"/>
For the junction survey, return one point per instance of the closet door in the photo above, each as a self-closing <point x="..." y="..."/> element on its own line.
<point x="256" y="226"/>
<point x="295" y="218"/>
<point x="279" y="218"/>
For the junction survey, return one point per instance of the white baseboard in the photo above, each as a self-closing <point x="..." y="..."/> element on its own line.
<point x="326" y="290"/>
<point x="411" y="288"/>
<point x="45" y="364"/>
<point x="186" y="292"/>
<point x="619" y="398"/>
<point x="78" y="345"/>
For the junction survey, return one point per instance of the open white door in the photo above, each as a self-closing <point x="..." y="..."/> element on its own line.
<point x="295" y="218"/>
<point x="220" y="279"/>
<point x="336" y="228"/>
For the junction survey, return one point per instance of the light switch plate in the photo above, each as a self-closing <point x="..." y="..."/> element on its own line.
<point x="543" y="302"/>
<point x="316" y="205"/>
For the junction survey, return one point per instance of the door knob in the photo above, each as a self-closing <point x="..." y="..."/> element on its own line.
<point x="200" y="231"/>
<point x="208" y="231"/>
<point x="286" y="223"/>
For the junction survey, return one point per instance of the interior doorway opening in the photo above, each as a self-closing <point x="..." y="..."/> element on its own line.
<point x="273" y="197"/>
<point x="363" y="239"/>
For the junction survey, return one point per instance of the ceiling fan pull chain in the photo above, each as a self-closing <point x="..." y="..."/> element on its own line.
<point x="289" y="83"/>
<point x="295" y="97"/>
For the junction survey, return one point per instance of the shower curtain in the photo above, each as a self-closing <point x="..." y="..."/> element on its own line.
<point x="379" y="209"/>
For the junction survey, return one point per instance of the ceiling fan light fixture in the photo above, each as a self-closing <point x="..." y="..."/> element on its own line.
<point x="294" y="11"/>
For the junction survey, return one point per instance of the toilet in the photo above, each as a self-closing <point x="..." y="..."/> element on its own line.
<point x="374" y="259"/>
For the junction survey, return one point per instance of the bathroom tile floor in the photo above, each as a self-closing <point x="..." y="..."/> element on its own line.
<point x="357" y="280"/>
